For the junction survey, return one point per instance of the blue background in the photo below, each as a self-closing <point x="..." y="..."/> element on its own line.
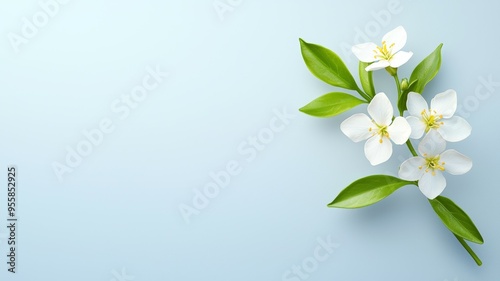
<point x="116" y="215"/>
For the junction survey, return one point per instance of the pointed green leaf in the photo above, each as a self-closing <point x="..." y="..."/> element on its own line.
<point x="331" y="104"/>
<point x="366" y="78"/>
<point x="469" y="250"/>
<point x="455" y="219"/>
<point x="367" y="191"/>
<point x="404" y="96"/>
<point x="327" y="66"/>
<point x="426" y="70"/>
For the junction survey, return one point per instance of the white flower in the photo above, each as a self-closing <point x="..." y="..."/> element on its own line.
<point x="379" y="129"/>
<point x="429" y="168"/>
<point x="389" y="54"/>
<point x="439" y="117"/>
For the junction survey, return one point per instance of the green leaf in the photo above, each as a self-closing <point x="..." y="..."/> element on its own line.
<point x="426" y="70"/>
<point x="367" y="191"/>
<point x="327" y="66"/>
<point x="455" y="219"/>
<point x="404" y="95"/>
<point x="366" y="78"/>
<point x="469" y="250"/>
<point x="331" y="104"/>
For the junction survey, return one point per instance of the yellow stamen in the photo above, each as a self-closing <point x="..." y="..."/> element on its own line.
<point x="384" y="52"/>
<point x="431" y="119"/>
<point x="380" y="130"/>
<point x="433" y="164"/>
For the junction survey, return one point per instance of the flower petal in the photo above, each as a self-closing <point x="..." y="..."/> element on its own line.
<point x="378" y="150"/>
<point x="399" y="131"/>
<point x="411" y="169"/>
<point x="432" y="184"/>
<point x="416" y="104"/>
<point x="400" y="58"/>
<point x="357" y="127"/>
<point x="454" y="129"/>
<point x="417" y="127"/>
<point x="380" y="109"/>
<point x="397" y="36"/>
<point x="432" y="144"/>
<point x="365" y="52"/>
<point x="455" y="163"/>
<point x="377" y="65"/>
<point x="445" y="103"/>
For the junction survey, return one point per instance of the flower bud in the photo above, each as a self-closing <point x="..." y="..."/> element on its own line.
<point x="404" y="84"/>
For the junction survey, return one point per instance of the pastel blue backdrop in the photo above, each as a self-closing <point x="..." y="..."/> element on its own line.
<point x="161" y="140"/>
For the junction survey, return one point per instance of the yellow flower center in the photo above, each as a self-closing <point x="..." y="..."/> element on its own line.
<point x="379" y="130"/>
<point x="432" y="164"/>
<point x="431" y="119"/>
<point x="384" y="52"/>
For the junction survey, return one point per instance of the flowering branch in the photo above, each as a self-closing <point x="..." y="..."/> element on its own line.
<point x="435" y="125"/>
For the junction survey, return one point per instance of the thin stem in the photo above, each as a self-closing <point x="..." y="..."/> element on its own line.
<point x="410" y="147"/>
<point x="398" y="86"/>
<point x="469" y="250"/>
<point x="365" y="96"/>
